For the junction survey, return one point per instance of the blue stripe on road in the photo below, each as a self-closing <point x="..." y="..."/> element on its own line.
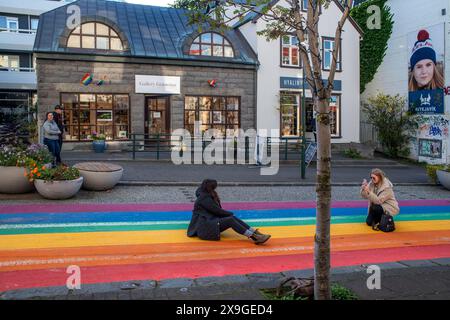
<point x="129" y="216"/>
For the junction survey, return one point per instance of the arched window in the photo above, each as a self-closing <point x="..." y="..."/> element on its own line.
<point x="211" y="44"/>
<point x="94" y="35"/>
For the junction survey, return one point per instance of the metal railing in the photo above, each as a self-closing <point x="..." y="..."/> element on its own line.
<point x="14" y="30"/>
<point x="165" y="143"/>
<point x="17" y="69"/>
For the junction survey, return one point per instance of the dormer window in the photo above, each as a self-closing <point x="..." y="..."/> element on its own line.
<point x="211" y="44"/>
<point x="94" y="35"/>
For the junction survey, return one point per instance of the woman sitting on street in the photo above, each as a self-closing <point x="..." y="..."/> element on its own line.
<point x="382" y="203"/>
<point x="209" y="219"/>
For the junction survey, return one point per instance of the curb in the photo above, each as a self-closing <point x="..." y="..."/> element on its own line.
<point x="256" y="184"/>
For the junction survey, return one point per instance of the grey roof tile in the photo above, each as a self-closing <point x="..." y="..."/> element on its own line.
<point x="154" y="32"/>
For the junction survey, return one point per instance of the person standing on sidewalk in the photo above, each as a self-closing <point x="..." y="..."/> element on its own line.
<point x="57" y="116"/>
<point x="209" y="219"/>
<point x="51" y="137"/>
<point x="382" y="203"/>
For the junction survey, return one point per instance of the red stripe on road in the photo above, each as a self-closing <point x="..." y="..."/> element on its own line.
<point x="11" y="280"/>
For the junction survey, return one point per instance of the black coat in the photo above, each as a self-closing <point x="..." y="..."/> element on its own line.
<point x="206" y="216"/>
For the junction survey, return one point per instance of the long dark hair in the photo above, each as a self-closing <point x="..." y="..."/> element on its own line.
<point x="209" y="186"/>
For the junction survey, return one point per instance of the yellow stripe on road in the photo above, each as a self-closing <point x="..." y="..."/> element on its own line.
<point x="86" y="239"/>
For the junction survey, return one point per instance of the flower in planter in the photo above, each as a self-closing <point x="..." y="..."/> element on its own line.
<point x="19" y="156"/>
<point x="98" y="136"/>
<point x="59" y="173"/>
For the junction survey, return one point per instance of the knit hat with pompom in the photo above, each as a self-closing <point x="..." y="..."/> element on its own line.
<point x="423" y="49"/>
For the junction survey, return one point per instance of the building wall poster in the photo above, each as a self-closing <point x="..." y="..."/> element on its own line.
<point x="426" y="70"/>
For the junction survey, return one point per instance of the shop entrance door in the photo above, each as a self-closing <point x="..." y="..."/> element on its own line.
<point x="157" y="115"/>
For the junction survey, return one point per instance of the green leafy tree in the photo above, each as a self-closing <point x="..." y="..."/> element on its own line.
<point x="394" y="125"/>
<point x="374" y="44"/>
<point x="281" y="20"/>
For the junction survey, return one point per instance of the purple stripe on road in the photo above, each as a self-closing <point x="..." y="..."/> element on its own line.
<point x="163" y="207"/>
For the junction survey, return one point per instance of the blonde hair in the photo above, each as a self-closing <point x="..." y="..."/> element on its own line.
<point x="435" y="83"/>
<point x="379" y="173"/>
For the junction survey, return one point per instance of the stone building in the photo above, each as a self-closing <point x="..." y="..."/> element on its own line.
<point x="128" y="68"/>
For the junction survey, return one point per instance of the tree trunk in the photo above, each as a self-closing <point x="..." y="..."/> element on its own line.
<point x="322" y="290"/>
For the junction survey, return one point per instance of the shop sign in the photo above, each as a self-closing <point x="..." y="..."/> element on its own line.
<point x="157" y="84"/>
<point x="297" y="83"/>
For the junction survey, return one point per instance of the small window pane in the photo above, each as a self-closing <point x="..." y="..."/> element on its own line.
<point x="225" y="42"/>
<point x="229" y="52"/>
<point x="102" y="30"/>
<point x="232" y="117"/>
<point x="116" y="44"/>
<point x="34" y="24"/>
<point x="328" y="44"/>
<point x="217" y="38"/>
<point x="218" y="51"/>
<point x="295" y="56"/>
<point x="205" y="117"/>
<point x="88" y="28"/>
<point x="102" y="43"/>
<point x="113" y="33"/>
<point x="232" y="103"/>
<point x="190" y="103"/>
<point x="76" y="30"/>
<point x="195" y="50"/>
<point x="219" y="103"/>
<point x="88" y="42"/>
<point x="197" y="40"/>
<point x="205" y="103"/>
<point x="74" y="41"/>
<point x="104" y="101"/>
<point x="189" y="117"/>
<point x="286" y="40"/>
<point x="206" y="38"/>
<point x="206" y="50"/>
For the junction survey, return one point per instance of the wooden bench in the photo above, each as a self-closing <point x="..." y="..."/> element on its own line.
<point x="99" y="176"/>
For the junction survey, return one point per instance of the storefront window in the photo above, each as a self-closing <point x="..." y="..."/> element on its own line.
<point x="13" y="106"/>
<point x="221" y="113"/>
<point x="335" y="119"/>
<point x="85" y="114"/>
<point x="289" y="108"/>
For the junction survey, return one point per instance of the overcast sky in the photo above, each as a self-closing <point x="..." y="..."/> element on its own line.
<point x="160" y="3"/>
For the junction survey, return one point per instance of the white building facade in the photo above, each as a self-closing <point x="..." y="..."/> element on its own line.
<point x="280" y="78"/>
<point x="19" y="21"/>
<point x="431" y="143"/>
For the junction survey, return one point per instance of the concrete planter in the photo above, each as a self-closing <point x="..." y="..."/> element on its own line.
<point x="444" y="178"/>
<point x="13" y="180"/>
<point x="58" y="190"/>
<point x="100" y="181"/>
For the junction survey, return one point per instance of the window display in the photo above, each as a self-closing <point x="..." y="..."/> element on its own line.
<point x="107" y="114"/>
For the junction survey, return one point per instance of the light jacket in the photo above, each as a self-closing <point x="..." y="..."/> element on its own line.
<point x="51" y="130"/>
<point x="383" y="195"/>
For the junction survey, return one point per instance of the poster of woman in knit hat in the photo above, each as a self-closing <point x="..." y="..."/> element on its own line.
<point x="426" y="70"/>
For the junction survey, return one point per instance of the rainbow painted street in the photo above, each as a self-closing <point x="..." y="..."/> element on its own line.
<point x="124" y="242"/>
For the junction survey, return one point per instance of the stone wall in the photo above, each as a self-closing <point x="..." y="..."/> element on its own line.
<point x="56" y="76"/>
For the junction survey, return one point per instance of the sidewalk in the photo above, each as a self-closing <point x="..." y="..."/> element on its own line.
<point x="403" y="280"/>
<point x="344" y="171"/>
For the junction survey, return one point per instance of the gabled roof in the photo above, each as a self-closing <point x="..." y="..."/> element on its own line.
<point x="253" y="16"/>
<point x="146" y="31"/>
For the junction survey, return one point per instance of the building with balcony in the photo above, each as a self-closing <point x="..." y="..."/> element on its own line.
<point x="19" y="21"/>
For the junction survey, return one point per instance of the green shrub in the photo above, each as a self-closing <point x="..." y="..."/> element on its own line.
<point x="393" y="124"/>
<point x="352" y="153"/>
<point x="431" y="171"/>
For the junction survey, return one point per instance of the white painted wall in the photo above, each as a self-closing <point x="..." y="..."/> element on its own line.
<point x="392" y="75"/>
<point x="31" y="7"/>
<point x="268" y="114"/>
